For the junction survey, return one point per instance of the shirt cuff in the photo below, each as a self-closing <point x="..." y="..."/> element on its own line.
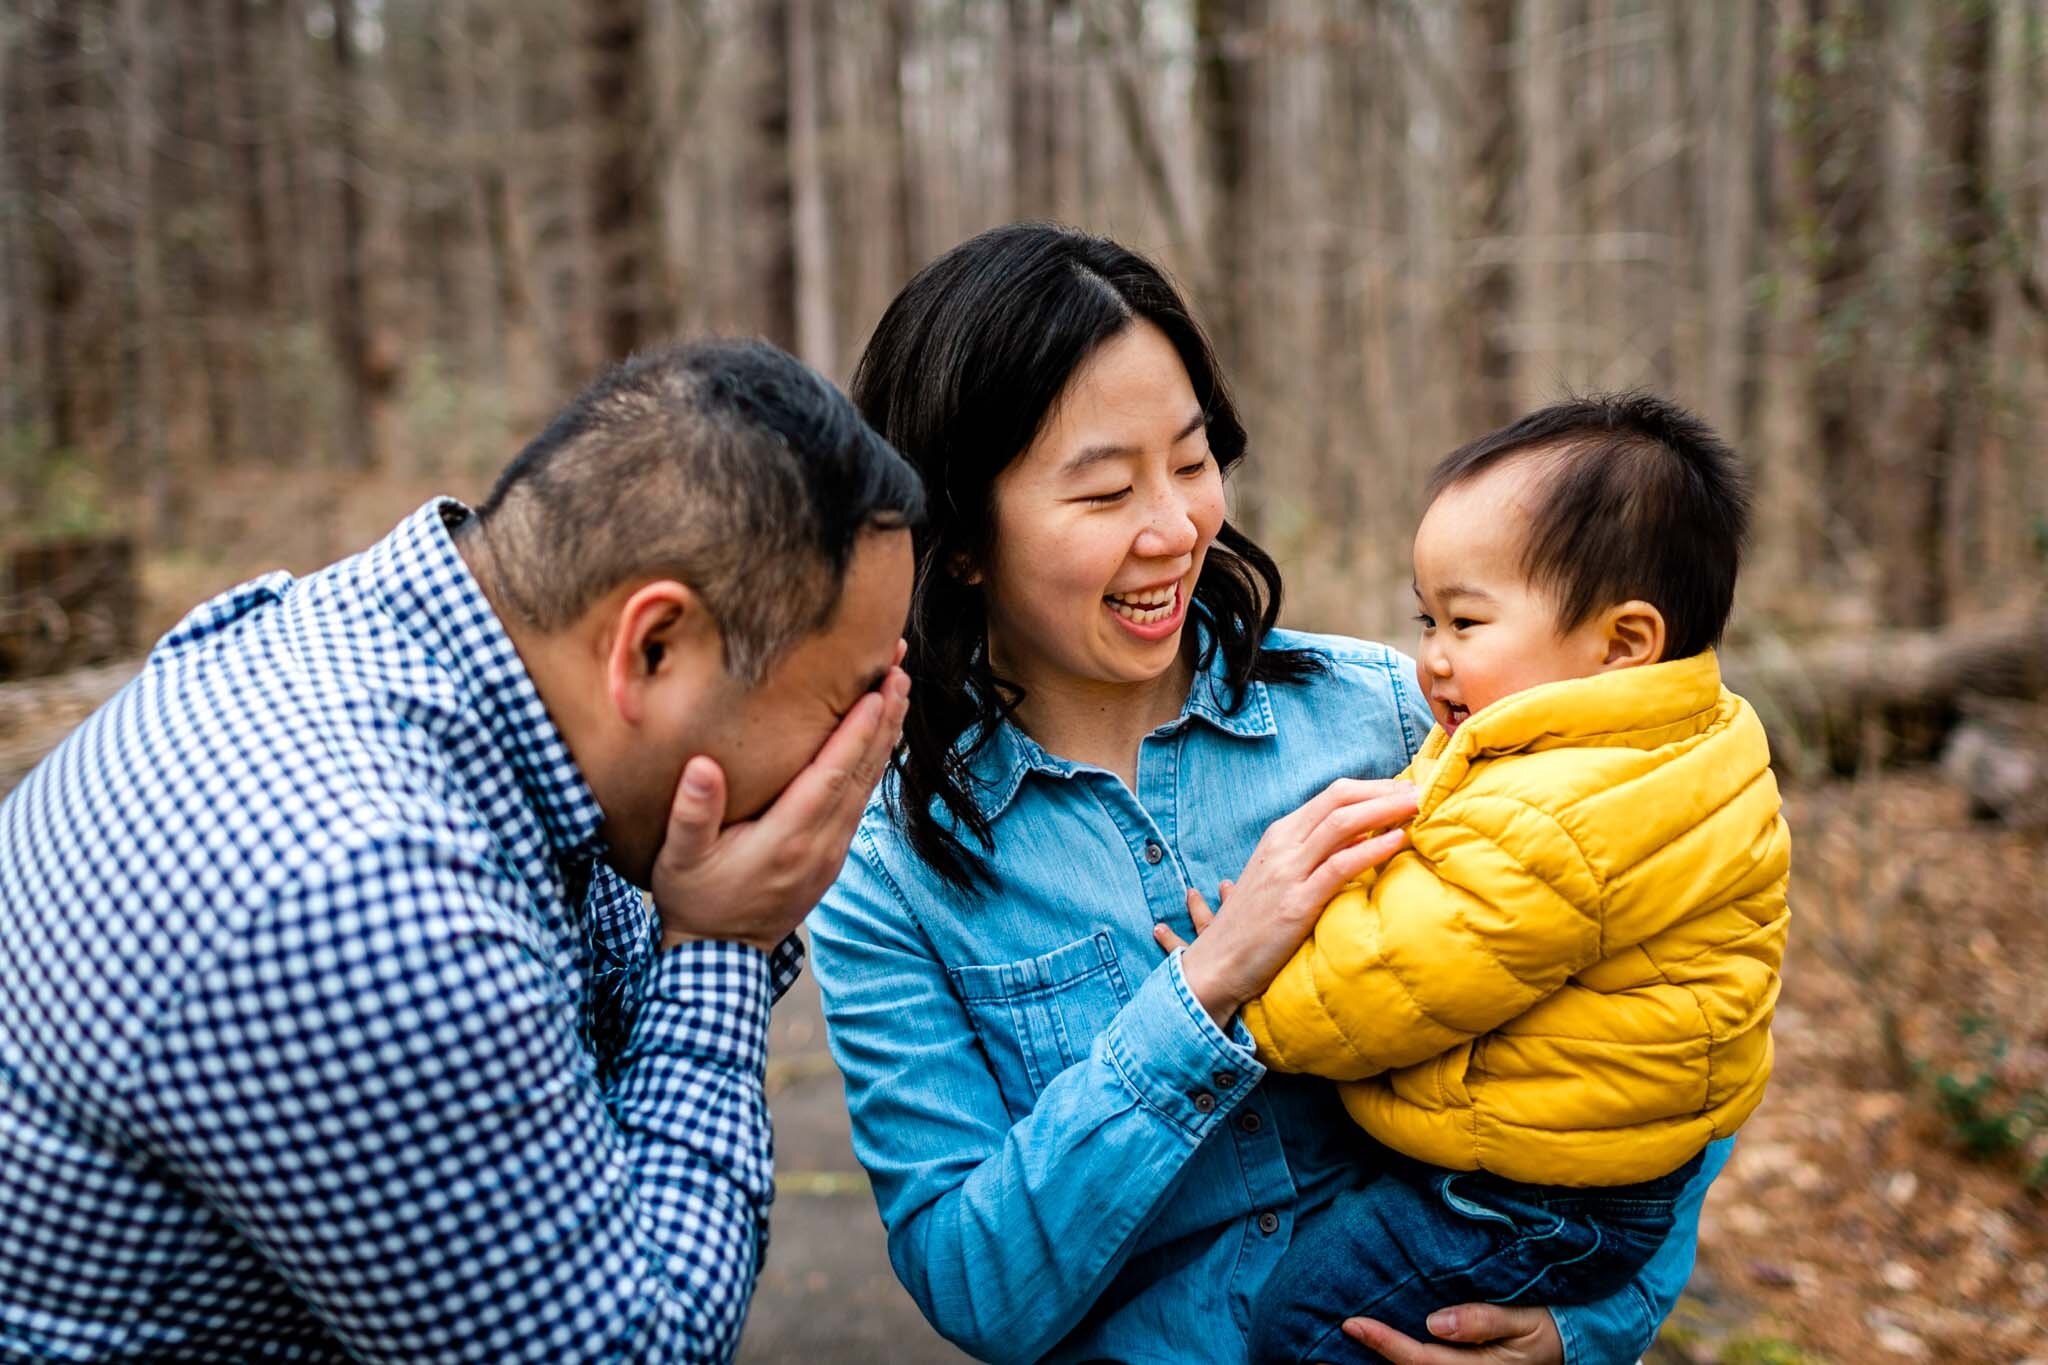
<point x="1175" y="1059"/>
<point x="709" y="999"/>
<point x="785" y="965"/>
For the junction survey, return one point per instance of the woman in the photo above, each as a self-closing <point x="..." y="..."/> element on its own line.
<point x="1074" y="1149"/>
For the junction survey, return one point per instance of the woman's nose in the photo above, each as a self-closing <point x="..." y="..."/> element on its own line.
<point x="1169" y="528"/>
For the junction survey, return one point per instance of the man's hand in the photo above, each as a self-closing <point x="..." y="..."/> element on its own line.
<point x="1496" y="1336"/>
<point x="755" y="880"/>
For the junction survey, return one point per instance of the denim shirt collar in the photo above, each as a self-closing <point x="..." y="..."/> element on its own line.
<point x="996" y="770"/>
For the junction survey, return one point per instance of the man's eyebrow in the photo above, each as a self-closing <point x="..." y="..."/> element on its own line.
<point x="1093" y="455"/>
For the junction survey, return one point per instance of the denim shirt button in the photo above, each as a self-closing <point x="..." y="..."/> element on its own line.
<point x="1269" y="1222"/>
<point x="1251" y="1122"/>
<point x="1153" y="852"/>
<point x="1225" y="1080"/>
<point x="1205" y="1103"/>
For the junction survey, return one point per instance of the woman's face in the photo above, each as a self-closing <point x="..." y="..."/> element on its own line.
<point x="1102" y="524"/>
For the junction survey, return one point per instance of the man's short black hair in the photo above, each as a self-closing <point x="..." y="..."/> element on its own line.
<point x="1639" y="500"/>
<point x="729" y="466"/>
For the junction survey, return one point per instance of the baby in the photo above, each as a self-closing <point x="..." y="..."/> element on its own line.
<point x="1551" y="1003"/>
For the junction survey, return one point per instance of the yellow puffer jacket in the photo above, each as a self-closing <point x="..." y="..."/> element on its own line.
<point x="1569" y="979"/>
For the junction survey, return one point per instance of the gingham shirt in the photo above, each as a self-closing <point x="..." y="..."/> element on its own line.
<point x="324" y="1028"/>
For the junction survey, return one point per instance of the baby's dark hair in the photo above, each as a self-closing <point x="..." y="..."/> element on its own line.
<point x="1641" y="500"/>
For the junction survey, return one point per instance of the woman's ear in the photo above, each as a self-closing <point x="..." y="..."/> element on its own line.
<point x="961" y="569"/>
<point x="1631" y="634"/>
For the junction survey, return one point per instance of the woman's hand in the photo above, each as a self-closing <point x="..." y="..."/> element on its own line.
<point x="1303" y="860"/>
<point x="1510" y="1336"/>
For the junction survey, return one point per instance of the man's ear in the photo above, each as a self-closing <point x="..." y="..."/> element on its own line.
<point x="659" y="629"/>
<point x="1631" y="635"/>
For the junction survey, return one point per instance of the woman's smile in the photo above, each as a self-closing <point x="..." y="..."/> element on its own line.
<point x="1151" y="614"/>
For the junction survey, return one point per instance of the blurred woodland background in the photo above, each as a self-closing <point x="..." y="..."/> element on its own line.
<point x="274" y="271"/>
<point x="388" y="235"/>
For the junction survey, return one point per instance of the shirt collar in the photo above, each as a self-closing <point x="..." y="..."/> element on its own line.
<point x="422" y="580"/>
<point x="996" y="770"/>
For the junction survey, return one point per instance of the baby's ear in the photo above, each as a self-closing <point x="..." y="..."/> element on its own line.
<point x="1631" y="635"/>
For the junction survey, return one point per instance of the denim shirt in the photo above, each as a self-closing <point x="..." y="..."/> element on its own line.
<point x="1071" y="1159"/>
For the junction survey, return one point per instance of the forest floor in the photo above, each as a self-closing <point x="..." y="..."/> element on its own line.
<point x="1854" y="1223"/>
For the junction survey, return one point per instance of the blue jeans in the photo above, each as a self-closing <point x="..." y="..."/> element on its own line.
<point x="1418" y="1238"/>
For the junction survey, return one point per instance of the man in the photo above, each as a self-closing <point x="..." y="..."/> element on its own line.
<point x="331" y="1021"/>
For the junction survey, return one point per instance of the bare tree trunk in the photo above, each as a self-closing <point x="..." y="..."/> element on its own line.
<point x="468" y="33"/>
<point x="146" y="460"/>
<point x="816" y="343"/>
<point x="1069" y="119"/>
<point x="1224" y="35"/>
<point x="1130" y="77"/>
<point x="504" y="204"/>
<point x="1730" y="136"/>
<point x="1487" y="130"/>
<point x="1674" y="293"/>
<point x="292" y="186"/>
<point x="1227" y="36"/>
<point x="1028" y="68"/>
<point x="623" y="206"/>
<point x="1839" y="153"/>
<point x="1928" y="540"/>
<point x="1763" y="180"/>
<point x="56" y="142"/>
<point x="1540" y="291"/>
<point x="898" y="227"/>
<point x="242" y="119"/>
<point x="772" y="197"/>
<point x="363" y="374"/>
<point x="17" y="363"/>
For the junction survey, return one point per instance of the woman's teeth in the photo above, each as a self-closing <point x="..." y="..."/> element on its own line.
<point x="1145" y="608"/>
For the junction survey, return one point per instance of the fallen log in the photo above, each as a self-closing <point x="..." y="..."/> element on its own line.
<point x="1998" y="757"/>
<point x="67" y="603"/>
<point x="1888" y="697"/>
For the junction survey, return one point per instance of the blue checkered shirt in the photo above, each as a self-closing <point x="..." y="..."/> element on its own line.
<point x="325" y="1029"/>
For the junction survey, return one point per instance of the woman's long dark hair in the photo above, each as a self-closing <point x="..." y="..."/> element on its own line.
<point x="959" y="376"/>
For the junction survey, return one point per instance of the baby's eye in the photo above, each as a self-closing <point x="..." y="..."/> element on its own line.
<point x="1462" y="623"/>
<point x="1426" y="621"/>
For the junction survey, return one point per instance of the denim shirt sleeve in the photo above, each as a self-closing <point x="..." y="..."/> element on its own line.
<point x="1006" y="1228"/>
<point x="1621" y="1327"/>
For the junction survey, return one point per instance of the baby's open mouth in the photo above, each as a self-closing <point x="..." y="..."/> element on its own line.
<point x="1454" y="716"/>
<point x="1147" y="608"/>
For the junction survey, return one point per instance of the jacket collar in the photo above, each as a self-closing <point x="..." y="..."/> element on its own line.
<point x="1627" y="708"/>
<point x="997" y="766"/>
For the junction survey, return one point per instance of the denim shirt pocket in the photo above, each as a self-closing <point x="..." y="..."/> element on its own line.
<point x="1039" y="1016"/>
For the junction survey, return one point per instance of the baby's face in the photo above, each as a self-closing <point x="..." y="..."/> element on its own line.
<point x="1487" y="632"/>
